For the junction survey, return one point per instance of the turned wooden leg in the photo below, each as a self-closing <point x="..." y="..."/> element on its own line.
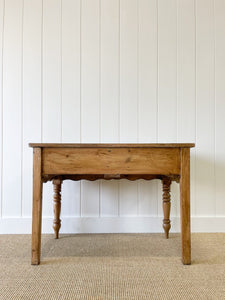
<point x="185" y="206"/>
<point x="166" y="182"/>
<point x="57" y="206"/>
<point x="37" y="208"/>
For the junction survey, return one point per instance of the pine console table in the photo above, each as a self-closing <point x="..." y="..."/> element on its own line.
<point x="58" y="162"/>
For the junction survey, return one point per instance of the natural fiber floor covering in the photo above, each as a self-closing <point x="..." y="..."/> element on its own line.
<point x="113" y="266"/>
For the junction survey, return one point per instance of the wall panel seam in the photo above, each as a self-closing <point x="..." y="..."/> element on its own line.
<point x="100" y="102"/>
<point x="157" y="93"/>
<point x="61" y="75"/>
<point x="81" y="186"/>
<point x="119" y="71"/>
<point x="80" y="96"/>
<point x="177" y="58"/>
<point x="138" y="102"/>
<point x="214" y="83"/>
<point x="178" y="103"/>
<point x="42" y="30"/>
<point x="119" y="93"/>
<point x="3" y="27"/>
<point x="80" y="71"/>
<point x="22" y="104"/>
<point x="196" y="100"/>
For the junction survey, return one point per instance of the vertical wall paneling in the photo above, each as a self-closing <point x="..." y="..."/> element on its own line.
<point x="147" y="95"/>
<point x="109" y="71"/>
<point x="167" y="71"/>
<point x="128" y="71"/>
<point x="128" y="94"/>
<point x="186" y="81"/>
<point x="167" y="83"/>
<point x="32" y="30"/>
<point x="52" y="70"/>
<point x="51" y="84"/>
<point x="70" y="95"/>
<point x="109" y="198"/>
<point x="112" y="71"/>
<point x="70" y="71"/>
<point x="90" y="94"/>
<point x="1" y="93"/>
<point x="205" y="112"/>
<point x="147" y="71"/>
<point x="220" y="105"/>
<point x="109" y="95"/>
<point x="12" y="106"/>
<point x="90" y="70"/>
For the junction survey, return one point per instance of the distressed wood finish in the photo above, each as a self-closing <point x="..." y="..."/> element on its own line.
<point x="166" y="182"/>
<point x="37" y="207"/>
<point x="111" y="161"/>
<point x="57" y="205"/>
<point x="58" y="162"/>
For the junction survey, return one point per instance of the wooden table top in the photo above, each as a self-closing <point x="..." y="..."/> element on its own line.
<point x="85" y="145"/>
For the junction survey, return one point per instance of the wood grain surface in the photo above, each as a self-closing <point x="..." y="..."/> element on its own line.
<point x="37" y="207"/>
<point x="185" y="206"/>
<point x="111" y="161"/>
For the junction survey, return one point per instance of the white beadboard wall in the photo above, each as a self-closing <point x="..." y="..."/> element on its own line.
<point x="112" y="71"/>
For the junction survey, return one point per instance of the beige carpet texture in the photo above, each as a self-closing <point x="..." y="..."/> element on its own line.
<point x="113" y="266"/>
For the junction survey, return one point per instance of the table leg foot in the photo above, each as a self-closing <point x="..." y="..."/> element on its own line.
<point x="186" y="261"/>
<point x="57" y="206"/>
<point x="35" y="261"/>
<point x="166" y="182"/>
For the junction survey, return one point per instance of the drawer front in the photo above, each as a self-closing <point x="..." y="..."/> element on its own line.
<point x="110" y="161"/>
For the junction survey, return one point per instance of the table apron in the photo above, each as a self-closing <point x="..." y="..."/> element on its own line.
<point x="111" y="161"/>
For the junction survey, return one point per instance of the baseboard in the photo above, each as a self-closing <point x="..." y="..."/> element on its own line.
<point x="111" y="225"/>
